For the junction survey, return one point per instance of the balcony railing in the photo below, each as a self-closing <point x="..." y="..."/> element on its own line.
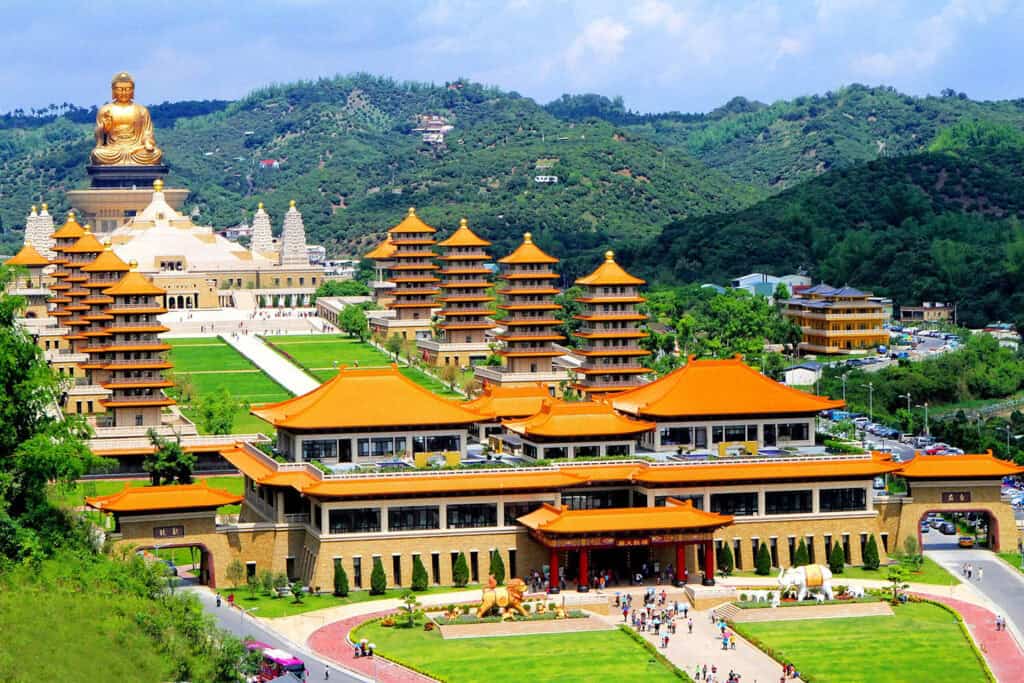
<point x="137" y="307"/>
<point x="297" y="518"/>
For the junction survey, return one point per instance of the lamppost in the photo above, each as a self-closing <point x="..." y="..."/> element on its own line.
<point x="910" y="415"/>
<point x="843" y="378"/>
<point x="870" y="386"/>
<point x="925" y="406"/>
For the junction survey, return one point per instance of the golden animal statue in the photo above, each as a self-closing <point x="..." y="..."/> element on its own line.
<point x="507" y="598"/>
<point x="124" y="129"/>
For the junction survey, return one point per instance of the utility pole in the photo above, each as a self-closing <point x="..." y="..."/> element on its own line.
<point x="871" y="400"/>
<point x="910" y="415"/>
<point x="925" y="406"/>
<point x="843" y="377"/>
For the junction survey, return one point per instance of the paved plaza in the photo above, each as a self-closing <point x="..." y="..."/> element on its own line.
<point x="267" y="321"/>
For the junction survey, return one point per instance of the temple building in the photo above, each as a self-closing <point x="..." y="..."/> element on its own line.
<point x="575" y="430"/>
<point x="381" y="287"/>
<point x="837" y="320"/>
<point x="39" y="231"/>
<point x="467" y="303"/>
<point x="530" y="322"/>
<point x="413" y="272"/>
<point x="723" y="406"/>
<point x="497" y="403"/>
<point x="30" y="284"/>
<point x="610" y="331"/>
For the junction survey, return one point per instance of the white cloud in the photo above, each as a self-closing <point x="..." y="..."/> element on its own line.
<point x="659" y="14"/>
<point x="602" y="39"/>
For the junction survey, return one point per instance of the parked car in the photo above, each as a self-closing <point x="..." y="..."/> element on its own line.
<point x="937" y="448"/>
<point x="966" y="542"/>
<point x="947" y="528"/>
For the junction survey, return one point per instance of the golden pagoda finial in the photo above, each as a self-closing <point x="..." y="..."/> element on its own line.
<point x="71" y="215"/>
<point x="33" y="208"/>
<point x="463" y="223"/>
<point x="259" y="206"/>
<point x="88" y="229"/>
<point x="291" y="203"/>
<point x="412" y="210"/>
<point x="107" y="246"/>
<point x="158" y="185"/>
<point x="527" y="238"/>
<point x="609" y="255"/>
<point x="45" y="207"/>
<point x="133" y="265"/>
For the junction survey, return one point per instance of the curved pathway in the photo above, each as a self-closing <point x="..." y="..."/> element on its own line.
<point x="331" y="642"/>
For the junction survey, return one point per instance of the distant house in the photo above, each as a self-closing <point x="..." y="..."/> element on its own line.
<point x="270" y="163"/>
<point x="802" y="375"/>
<point x="928" y="312"/>
<point x="837" y="320"/>
<point x="545" y="179"/>
<point x="764" y="284"/>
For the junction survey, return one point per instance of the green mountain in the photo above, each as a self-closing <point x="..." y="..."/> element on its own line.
<point x="348" y="153"/>
<point x="930" y="226"/>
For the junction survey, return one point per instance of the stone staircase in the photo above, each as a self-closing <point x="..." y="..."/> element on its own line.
<point x="727" y="611"/>
<point x="245" y="301"/>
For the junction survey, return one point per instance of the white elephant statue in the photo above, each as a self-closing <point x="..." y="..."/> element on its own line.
<point x="811" y="577"/>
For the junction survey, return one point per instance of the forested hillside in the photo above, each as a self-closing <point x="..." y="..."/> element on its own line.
<point x="932" y="226"/>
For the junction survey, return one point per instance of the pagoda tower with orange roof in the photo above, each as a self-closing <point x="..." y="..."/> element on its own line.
<point x="29" y="283"/>
<point x="530" y="323"/>
<point x="414" y="275"/>
<point x="382" y="262"/>
<point x="610" y="334"/>
<point x="467" y="303"/>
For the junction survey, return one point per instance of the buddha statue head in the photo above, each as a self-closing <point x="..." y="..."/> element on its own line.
<point x="122" y="88"/>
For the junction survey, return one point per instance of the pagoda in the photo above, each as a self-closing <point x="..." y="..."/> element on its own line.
<point x="382" y="262"/>
<point x="414" y="275"/>
<point x="30" y="286"/>
<point x="467" y="303"/>
<point x="530" y="323"/>
<point x="610" y="334"/>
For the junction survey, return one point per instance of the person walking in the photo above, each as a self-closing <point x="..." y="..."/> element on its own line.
<point x="689" y="625"/>
<point x="218" y="599"/>
<point x="981" y="574"/>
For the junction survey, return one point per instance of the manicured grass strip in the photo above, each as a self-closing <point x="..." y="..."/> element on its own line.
<point x="931" y="573"/>
<point x="213" y="355"/>
<point x="323" y="351"/>
<point x="1012" y="559"/>
<point x="284" y="607"/>
<point x="103" y="487"/>
<point x="564" y="657"/>
<point x="921" y="642"/>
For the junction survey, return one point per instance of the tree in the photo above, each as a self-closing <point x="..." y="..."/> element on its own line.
<point x="725" y="560"/>
<point x="378" y="581"/>
<point x="168" y="462"/>
<point x="871" y="560"/>
<point x="341" y="288"/>
<point x="410" y="608"/>
<point x="898" y="581"/>
<point x="449" y="374"/>
<point x="763" y="561"/>
<point x="419" y="574"/>
<point x="393" y="345"/>
<point x="911" y="557"/>
<point x="296" y="590"/>
<point x="340" y="580"/>
<point x="216" y="412"/>
<point x="267" y="581"/>
<point x="352" y="322"/>
<point x="497" y="567"/>
<point x="837" y="559"/>
<point x="781" y="292"/>
<point x="802" y="556"/>
<point x="235" y="572"/>
<point x="460" y="572"/>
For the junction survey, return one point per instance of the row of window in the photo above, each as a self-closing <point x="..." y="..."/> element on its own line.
<point x="414" y="517"/>
<point x="555" y="452"/>
<point x="790" y="502"/>
<point x="697" y="437"/>
<point x="377" y="447"/>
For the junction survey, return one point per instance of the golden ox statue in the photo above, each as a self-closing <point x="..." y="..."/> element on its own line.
<point x="507" y="598"/>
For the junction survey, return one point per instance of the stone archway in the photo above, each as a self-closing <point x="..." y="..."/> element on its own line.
<point x="207" y="575"/>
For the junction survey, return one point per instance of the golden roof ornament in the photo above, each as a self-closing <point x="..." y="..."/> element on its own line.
<point x="527" y="238"/>
<point x="291" y="204"/>
<point x="124" y="129"/>
<point x="412" y="210"/>
<point x="609" y="255"/>
<point x="133" y="265"/>
<point x="33" y="208"/>
<point x="45" y="207"/>
<point x="463" y="223"/>
<point x="88" y="229"/>
<point x="259" y="206"/>
<point x="158" y="185"/>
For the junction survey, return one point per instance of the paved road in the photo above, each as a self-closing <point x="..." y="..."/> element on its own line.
<point x="233" y="621"/>
<point x="284" y="372"/>
<point x="1000" y="584"/>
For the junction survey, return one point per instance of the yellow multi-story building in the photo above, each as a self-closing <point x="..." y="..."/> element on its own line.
<point x="836" y="320"/>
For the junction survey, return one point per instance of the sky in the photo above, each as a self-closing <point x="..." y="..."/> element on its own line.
<point x="659" y="55"/>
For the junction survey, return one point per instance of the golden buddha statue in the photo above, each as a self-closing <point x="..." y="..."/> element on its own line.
<point x="124" y="129"/>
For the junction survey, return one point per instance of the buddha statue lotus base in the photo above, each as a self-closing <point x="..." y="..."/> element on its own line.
<point x="126" y="176"/>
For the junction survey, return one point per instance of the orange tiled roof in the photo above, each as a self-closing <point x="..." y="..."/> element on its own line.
<point x="464" y="237"/>
<point x="502" y="401"/>
<point x="974" y="466"/>
<point x="411" y="224"/>
<point x="70" y="230"/>
<point x="718" y="387"/>
<point x="444" y="484"/>
<point x="675" y="515"/>
<point x="28" y="257"/>
<point x="134" y="283"/>
<point x="585" y="418"/>
<point x="365" y="397"/>
<point x="766" y="471"/>
<point x="106" y="262"/>
<point x="528" y="252"/>
<point x="609" y="274"/>
<point x="154" y="498"/>
<point x="86" y="244"/>
<point x="382" y="251"/>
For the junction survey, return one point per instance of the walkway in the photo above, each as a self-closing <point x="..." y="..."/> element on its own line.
<point x="291" y="377"/>
<point x="330" y="642"/>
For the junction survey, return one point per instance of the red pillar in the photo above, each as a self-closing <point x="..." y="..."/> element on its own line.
<point x="553" y="562"/>
<point x="584" y="577"/>
<point x="709" y="561"/>
<point x="680" y="562"/>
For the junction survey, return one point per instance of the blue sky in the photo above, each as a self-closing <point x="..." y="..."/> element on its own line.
<point x="658" y="54"/>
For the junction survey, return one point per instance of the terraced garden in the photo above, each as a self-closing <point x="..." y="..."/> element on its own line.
<point x="208" y="364"/>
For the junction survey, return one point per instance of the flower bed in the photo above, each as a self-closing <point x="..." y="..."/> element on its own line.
<point x="473" y="619"/>
<point x="750" y="604"/>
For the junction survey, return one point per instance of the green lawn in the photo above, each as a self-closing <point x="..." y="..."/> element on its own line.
<point x="921" y="642"/>
<point x="102" y="487"/>
<point x="931" y="573"/>
<point x="285" y="607"/>
<point x="1012" y="559"/>
<point x="564" y="657"/>
<point x="210" y="364"/>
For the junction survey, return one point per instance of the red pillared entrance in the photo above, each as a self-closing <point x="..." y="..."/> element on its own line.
<point x="583" y="563"/>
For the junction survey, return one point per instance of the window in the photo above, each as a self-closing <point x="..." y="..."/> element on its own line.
<point x="842" y="500"/>
<point x="379" y="447"/>
<point x="553" y="452"/>
<point x="755" y="545"/>
<point x="676" y="436"/>
<point x="617" y="449"/>
<point x="846" y="547"/>
<point x="319" y="449"/>
<point x="317" y="517"/>
<point x="586" y="451"/>
<point x="794" y="431"/>
<point x="696" y="498"/>
<point x="810" y="549"/>
<point x="885" y="542"/>
<point x="511" y="562"/>
<point x="414" y="517"/>
<point x="828" y="546"/>
<point x="735" y="432"/>
<point x="792" y="549"/>
<point x="474" y="566"/>
<point x="357" y="571"/>
<point x="863" y="544"/>
<point x="514" y="511"/>
<point x="740" y="504"/>
<point x="354" y="520"/>
<point x="396" y="569"/>
<point x="435" y="567"/>
<point x="471" y="515"/>
<point x="599" y="499"/>
<point x="289" y="568"/>
<point x="431" y="444"/>
<point x="737" y="554"/>
<point x="250" y="570"/>
<point x="455" y="558"/>
<point x="787" y="502"/>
